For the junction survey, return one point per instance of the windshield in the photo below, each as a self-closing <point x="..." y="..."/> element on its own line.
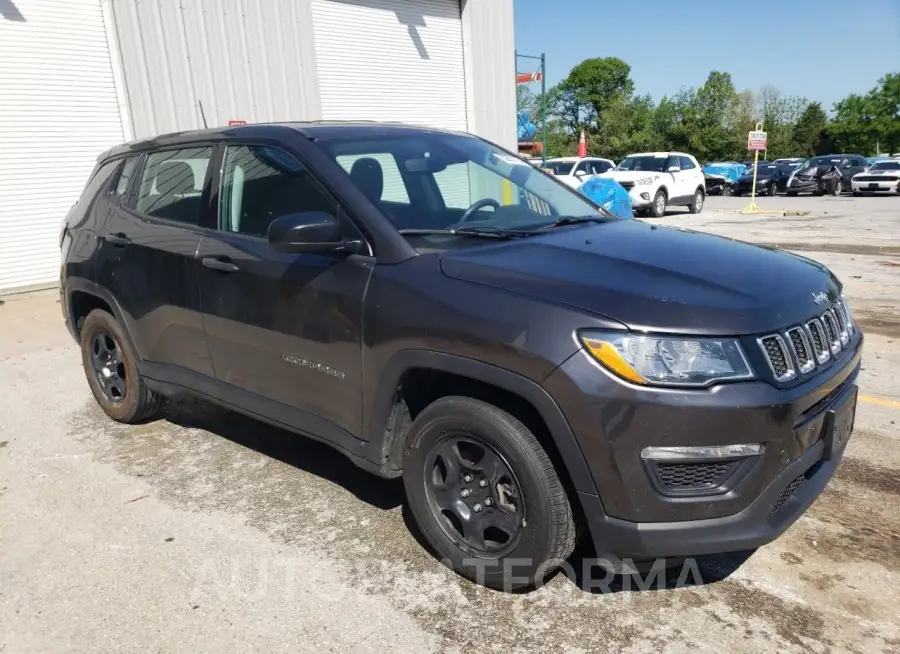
<point x="560" y="167"/>
<point x="821" y="162"/>
<point x="886" y="165"/>
<point x="438" y="181"/>
<point x="653" y="163"/>
<point x="764" y="169"/>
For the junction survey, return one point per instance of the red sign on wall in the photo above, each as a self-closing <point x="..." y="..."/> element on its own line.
<point x="236" y="123"/>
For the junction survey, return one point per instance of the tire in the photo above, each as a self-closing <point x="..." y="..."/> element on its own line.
<point x="122" y="394"/>
<point x="773" y="189"/>
<point x="857" y="194"/>
<point x="737" y="194"/>
<point x="699" y="198"/>
<point x="791" y="194"/>
<point x="658" y="208"/>
<point x="434" y="474"/>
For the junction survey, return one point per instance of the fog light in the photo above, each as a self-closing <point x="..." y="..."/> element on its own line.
<point x="683" y="453"/>
<point x="645" y="196"/>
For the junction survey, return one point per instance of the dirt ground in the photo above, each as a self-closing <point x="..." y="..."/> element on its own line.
<point x="207" y="531"/>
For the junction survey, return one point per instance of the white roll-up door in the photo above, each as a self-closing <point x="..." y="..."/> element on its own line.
<point x="391" y="60"/>
<point x="58" y="111"/>
<point x="398" y="61"/>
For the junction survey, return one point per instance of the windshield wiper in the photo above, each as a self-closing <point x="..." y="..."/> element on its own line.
<point x="481" y="232"/>
<point x="575" y="220"/>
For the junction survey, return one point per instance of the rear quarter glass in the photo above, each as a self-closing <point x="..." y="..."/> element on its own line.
<point x="99" y="181"/>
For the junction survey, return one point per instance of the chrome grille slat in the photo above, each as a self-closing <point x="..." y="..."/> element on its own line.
<point x="778" y="357"/>
<point x="798" y="350"/>
<point x="801" y="349"/>
<point x="832" y="332"/>
<point x="820" y="344"/>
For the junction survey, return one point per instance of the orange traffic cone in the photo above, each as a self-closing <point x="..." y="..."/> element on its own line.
<point x="582" y="145"/>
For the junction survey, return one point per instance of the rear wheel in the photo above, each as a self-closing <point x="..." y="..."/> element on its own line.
<point x="486" y="495"/>
<point x="699" y="198"/>
<point x="773" y="188"/>
<point x="111" y="370"/>
<point x="658" y="208"/>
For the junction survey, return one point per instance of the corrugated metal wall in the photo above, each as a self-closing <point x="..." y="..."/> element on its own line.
<point x="249" y="60"/>
<point x="490" y="62"/>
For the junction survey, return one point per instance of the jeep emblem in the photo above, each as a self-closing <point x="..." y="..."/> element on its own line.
<point x="820" y="298"/>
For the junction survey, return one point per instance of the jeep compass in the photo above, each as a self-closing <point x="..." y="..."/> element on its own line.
<point x="439" y="310"/>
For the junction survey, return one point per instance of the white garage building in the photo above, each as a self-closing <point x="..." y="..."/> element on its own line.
<point x="77" y="76"/>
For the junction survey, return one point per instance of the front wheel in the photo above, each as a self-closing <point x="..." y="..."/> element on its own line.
<point x="658" y="208"/>
<point x="773" y="188"/>
<point x="486" y="495"/>
<point x="697" y="205"/>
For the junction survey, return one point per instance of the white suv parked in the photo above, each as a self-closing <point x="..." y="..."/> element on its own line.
<point x="656" y="180"/>
<point x="574" y="171"/>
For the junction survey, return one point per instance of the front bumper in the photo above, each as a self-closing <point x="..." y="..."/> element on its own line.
<point x="633" y="518"/>
<point x="623" y="544"/>
<point x="892" y="186"/>
<point x="641" y="196"/>
<point x="745" y="188"/>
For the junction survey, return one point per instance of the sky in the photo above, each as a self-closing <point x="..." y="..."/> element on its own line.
<point x="821" y="49"/>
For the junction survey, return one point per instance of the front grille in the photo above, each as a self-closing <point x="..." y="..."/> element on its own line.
<point x="874" y="178"/>
<point x="694" y="476"/>
<point x="800" y="348"/>
<point x="787" y="492"/>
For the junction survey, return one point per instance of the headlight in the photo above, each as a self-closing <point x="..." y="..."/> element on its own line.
<point x="645" y="181"/>
<point x="666" y="360"/>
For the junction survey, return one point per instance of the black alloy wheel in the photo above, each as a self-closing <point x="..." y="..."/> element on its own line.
<point x="474" y="495"/>
<point x="108" y="366"/>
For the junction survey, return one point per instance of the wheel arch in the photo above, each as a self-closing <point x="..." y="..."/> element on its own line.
<point x="76" y="290"/>
<point x="382" y="419"/>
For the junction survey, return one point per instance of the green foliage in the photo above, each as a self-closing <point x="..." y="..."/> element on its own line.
<point x="712" y="121"/>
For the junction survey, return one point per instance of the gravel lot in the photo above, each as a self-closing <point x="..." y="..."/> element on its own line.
<point x="207" y="531"/>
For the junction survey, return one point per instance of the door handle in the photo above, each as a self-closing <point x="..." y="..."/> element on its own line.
<point x="118" y="239"/>
<point x="219" y="264"/>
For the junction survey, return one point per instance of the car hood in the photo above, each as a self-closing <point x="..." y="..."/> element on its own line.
<point x="748" y="179"/>
<point x="653" y="278"/>
<point x="629" y="175"/>
<point x="879" y="173"/>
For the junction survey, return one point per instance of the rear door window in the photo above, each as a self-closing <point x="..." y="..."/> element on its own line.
<point x="172" y="182"/>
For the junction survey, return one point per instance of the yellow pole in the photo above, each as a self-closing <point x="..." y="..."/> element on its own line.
<point x="752" y="208"/>
<point x="755" y="163"/>
<point x="507" y="193"/>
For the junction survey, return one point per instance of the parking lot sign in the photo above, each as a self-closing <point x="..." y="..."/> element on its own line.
<point x="757" y="141"/>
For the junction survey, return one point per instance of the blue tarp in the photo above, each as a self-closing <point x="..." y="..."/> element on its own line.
<point x="727" y="170"/>
<point x="609" y="194"/>
<point x="525" y="129"/>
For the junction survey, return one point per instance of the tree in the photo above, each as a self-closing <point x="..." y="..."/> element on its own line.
<point x="809" y="136"/>
<point x="885" y="106"/>
<point x="601" y="83"/>
<point x="525" y="99"/>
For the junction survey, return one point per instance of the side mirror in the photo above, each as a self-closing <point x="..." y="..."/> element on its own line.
<point x="310" y="231"/>
<point x="674" y="169"/>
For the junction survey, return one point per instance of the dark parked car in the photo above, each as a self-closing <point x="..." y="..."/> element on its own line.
<point x="437" y="309"/>
<point x="770" y="179"/>
<point x="819" y="175"/>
